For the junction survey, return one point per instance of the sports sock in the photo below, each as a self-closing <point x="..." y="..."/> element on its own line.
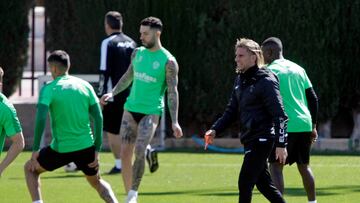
<point x="38" y="201"/>
<point x="148" y="146"/>
<point x="118" y="163"/>
<point x="133" y="193"/>
<point x="313" y="201"/>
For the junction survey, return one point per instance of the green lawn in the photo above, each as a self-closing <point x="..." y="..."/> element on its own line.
<point x="189" y="178"/>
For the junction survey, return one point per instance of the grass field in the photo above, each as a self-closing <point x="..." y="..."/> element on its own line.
<point x="185" y="177"/>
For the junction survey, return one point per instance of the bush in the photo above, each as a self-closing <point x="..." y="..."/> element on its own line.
<point x="14" y="44"/>
<point x="319" y="35"/>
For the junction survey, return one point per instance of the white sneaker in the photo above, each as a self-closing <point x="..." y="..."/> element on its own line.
<point x="132" y="197"/>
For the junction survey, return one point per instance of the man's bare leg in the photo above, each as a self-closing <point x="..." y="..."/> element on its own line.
<point x="127" y="151"/>
<point x="276" y="172"/>
<point x="308" y="180"/>
<point x="128" y="136"/>
<point x="115" y="147"/>
<point x="146" y="130"/>
<point x="32" y="176"/>
<point x="103" y="188"/>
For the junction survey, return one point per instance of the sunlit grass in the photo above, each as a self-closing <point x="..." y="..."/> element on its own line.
<point x="185" y="177"/>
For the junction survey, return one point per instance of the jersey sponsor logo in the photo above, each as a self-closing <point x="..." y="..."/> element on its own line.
<point x="155" y="65"/>
<point x="68" y="86"/>
<point x="144" y="77"/>
<point x="125" y="44"/>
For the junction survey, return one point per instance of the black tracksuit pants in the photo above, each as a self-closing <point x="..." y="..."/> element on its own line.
<point x="255" y="171"/>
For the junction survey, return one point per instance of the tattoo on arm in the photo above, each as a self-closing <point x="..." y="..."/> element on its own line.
<point x="126" y="79"/>
<point x="172" y="70"/>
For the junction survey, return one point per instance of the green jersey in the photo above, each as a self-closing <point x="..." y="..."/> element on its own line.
<point x="69" y="99"/>
<point x="293" y="83"/>
<point x="9" y="122"/>
<point x="149" y="82"/>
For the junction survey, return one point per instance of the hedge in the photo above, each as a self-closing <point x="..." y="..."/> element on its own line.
<point x="322" y="36"/>
<point x="14" y="41"/>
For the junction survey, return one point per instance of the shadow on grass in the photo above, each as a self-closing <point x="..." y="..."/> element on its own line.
<point x="71" y="175"/>
<point x="313" y="152"/>
<point x="200" y="192"/>
<point x="50" y="175"/>
<point x="321" y="191"/>
<point x="325" y="191"/>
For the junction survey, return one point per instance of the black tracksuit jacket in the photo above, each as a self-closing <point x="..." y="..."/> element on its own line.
<point x="256" y="102"/>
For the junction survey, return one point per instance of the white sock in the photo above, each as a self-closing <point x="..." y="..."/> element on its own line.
<point x="133" y="193"/>
<point x="38" y="201"/>
<point x="148" y="146"/>
<point x="313" y="201"/>
<point x="118" y="163"/>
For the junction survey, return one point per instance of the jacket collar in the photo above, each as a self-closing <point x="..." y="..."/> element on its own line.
<point x="114" y="33"/>
<point x="250" y="72"/>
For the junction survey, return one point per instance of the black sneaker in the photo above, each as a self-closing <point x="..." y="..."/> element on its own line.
<point x="151" y="158"/>
<point x="114" y="170"/>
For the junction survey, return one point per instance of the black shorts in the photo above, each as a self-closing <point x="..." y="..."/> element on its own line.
<point x="112" y="114"/>
<point x="298" y="148"/>
<point x="51" y="160"/>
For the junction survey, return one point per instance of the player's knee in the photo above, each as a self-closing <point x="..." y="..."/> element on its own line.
<point x="125" y="153"/>
<point x="27" y="166"/>
<point x="303" y="168"/>
<point x="94" y="181"/>
<point x="276" y="168"/>
<point x="140" y="152"/>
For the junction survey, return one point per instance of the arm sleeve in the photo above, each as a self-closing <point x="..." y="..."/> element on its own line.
<point x="313" y="103"/>
<point x="230" y="113"/>
<point x="96" y="115"/>
<point x="11" y="123"/>
<point x="41" y="114"/>
<point x="104" y="73"/>
<point x="103" y="81"/>
<point x="274" y="105"/>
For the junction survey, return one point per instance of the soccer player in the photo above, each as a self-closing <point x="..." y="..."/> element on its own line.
<point x="152" y="71"/>
<point x="301" y="105"/>
<point x="70" y="101"/>
<point x="9" y="128"/>
<point x="116" y="51"/>
<point x="255" y="100"/>
<point x="115" y="58"/>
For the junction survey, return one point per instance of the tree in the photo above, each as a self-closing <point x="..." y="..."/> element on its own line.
<point x="14" y="41"/>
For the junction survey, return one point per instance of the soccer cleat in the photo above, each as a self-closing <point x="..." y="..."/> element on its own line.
<point x="70" y="167"/>
<point x="114" y="170"/>
<point x="151" y="158"/>
<point x="132" y="197"/>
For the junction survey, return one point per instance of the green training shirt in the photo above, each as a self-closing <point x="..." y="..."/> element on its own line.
<point x="149" y="82"/>
<point x="69" y="99"/>
<point x="293" y="83"/>
<point x="9" y="122"/>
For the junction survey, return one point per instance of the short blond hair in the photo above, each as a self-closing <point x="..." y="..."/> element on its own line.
<point x="252" y="47"/>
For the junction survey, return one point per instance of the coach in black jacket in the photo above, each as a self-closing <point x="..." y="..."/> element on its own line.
<point x="256" y="102"/>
